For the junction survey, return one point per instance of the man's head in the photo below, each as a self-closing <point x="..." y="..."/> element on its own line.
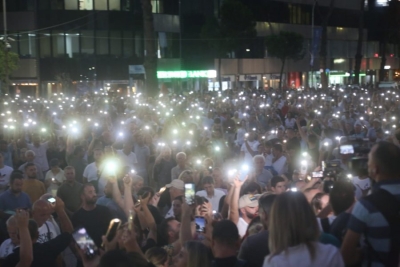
<point x="54" y="164"/>
<point x="248" y="206"/>
<point x="168" y="231"/>
<point x="290" y="133"/>
<point x="176" y="188"/>
<point x="264" y="207"/>
<point x="31" y="171"/>
<point x="278" y="185"/>
<point x="181" y="159"/>
<point x="69" y="173"/>
<point x="36" y="139"/>
<point x="341" y="196"/>
<point x="88" y="194"/>
<point x="79" y="152"/>
<point x="127" y="147"/>
<point x="251" y="137"/>
<point x="208" y="185"/>
<point x="268" y="147"/>
<point x="177" y="206"/>
<point x="41" y="212"/>
<point x="383" y="162"/>
<point x="376" y="124"/>
<point x="30" y="156"/>
<point x="225" y="237"/>
<point x="217" y="175"/>
<point x="12" y="230"/>
<point x="259" y="162"/>
<point x="166" y="153"/>
<point x="357" y="128"/>
<point x="108" y="189"/>
<point x="98" y="154"/>
<point x="16" y="182"/>
<point x="277" y="150"/>
<point x="137" y="183"/>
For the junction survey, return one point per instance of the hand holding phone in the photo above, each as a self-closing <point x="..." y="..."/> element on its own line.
<point x="190" y="193"/>
<point x="200" y="224"/>
<point x="85" y="242"/>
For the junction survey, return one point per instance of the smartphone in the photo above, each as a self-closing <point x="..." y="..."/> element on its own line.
<point x="346" y="149"/>
<point x="200" y="224"/>
<point x="112" y="229"/>
<point x="317" y="174"/>
<point x="51" y="200"/>
<point x="130" y="220"/>
<point x="189" y="193"/>
<point x="85" y="242"/>
<point x="162" y="189"/>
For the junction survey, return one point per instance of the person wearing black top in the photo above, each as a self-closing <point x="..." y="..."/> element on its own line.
<point x="94" y="218"/>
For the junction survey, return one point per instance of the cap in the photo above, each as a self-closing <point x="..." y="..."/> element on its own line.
<point x="54" y="162"/>
<point x="248" y="201"/>
<point x="178" y="184"/>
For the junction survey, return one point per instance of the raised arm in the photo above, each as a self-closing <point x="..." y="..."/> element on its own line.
<point x="234" y="205"/>
<point x="66" y="225"/>
<point x="26" y="248"/>
<point x="117" y="194"/>
<point x="185" y="234"/>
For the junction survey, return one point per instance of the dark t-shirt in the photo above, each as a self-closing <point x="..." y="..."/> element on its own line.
<point x="254" y="249"/>
<point x="44" y="255"/>
<point x="95" y="222"/>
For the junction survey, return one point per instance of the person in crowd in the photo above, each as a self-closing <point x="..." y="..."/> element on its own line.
<point x="319" y="202"/>
<point x="193" y="254"/>
<point x="76" y="158"/>
<point x="249" y="148"/>
<point x="9" y="244"/>
<point x="279" y="160"/>
<point x="176" y="189"/>
<point x="180" y="167"/>
<point x="177" y="208"/>
<point x="142" y="152"/>
<point x="371" y="215"/>
<point x="219" y="182"/>
<point x="260" y="175"/>
<point x="32" y="186"/>
<point x="126" y="156"/>
<point x="225" y="244"/>
<point x="14" y="198"/>
<point x="40" y="150"/>
<point x="299" y="245"/>
<point x="210" y="193"/>
<point x="7" y="151"/>
<point x="94" y="218"/>
<point x="95" y="174"/>
<point x="278" y="185"/>
<point x="107" y="201"/>
<point x="5" y="172"/>
<point x="158" y="257"/>
<point x="30" y="158"/>
<point x="163" y="166"/>
<point x="137" y="184"/>
<point x="69" y="191"/>
<point x="41" y="212"/>
<point x="54" y="177"/>
<point x="254" y="248"/>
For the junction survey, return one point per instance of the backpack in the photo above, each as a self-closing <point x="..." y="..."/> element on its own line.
<point x="380" y="199"/>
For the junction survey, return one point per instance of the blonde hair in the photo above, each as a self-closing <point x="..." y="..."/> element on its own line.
<point x="292" y="222"/>
<point x="157" y="256"/>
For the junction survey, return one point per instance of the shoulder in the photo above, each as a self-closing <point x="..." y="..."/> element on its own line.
<point x="219" y="192"/>
<point x="201" y="193"/>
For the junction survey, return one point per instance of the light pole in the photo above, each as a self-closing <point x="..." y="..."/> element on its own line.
<point x="312" y="42"/>
<point x="7" y="45"/>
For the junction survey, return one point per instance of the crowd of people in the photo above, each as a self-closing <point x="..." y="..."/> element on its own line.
<point x="240" y="178"/>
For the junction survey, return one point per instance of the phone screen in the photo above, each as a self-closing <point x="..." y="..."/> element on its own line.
<point x="112" y="229"/>
<point x="189" y="193"/>
<point x="317" y="174"/>
<point x="85" y="242"/>
<point x="346" y="149"/>
<point x="244" y="172"/>
<point x="51" y="200"/>
<point x="200" y="224"/>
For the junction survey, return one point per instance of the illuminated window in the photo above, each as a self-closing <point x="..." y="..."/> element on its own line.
<point x="58" y="43"/>
<point x="85" y="4"/>
<point x="114" y="5"/>
<point x="45" y="50"/>
<point x="27" y="45"/>
<point x="71" y="4"/>
<point x="157" y="6"/>
<point x="72" y="44"/>
<point x="100" y="4"/>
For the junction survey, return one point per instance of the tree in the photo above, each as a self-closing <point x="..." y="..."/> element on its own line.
<point x="323" y="53"/>
<point x="285" y="46"/>
<point x="150" y="58"/>
<point x="8" y="63"/>
<point x="359" y="56"/>
<point x="235" y="29"/>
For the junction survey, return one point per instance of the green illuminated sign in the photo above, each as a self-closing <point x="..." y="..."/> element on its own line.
<point x="182" y="74"/>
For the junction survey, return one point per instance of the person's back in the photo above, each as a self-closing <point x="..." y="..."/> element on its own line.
<point x="34" y="188"/>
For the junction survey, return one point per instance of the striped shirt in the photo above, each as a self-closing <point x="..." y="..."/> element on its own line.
<point x="367" y="220"/>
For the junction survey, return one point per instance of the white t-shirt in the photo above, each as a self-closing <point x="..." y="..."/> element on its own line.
<point x="214" y="200"/>
<point x="242" y="226"/>
<point x="279" y="165"/>
<point x="129" y="160"/>
<point x="90" y="173"/>
<point x="325" y="255"/>
<point x="240" y="136"/>
<point x="40" y="155"/>
<point x="361" y="184"/>
<point x="45" y="231"/>
<point x="6" y="248"/>
<point x="330" y="219"/>
<point x="59" y="177"/>
<point x="248" y="158"/>
<point x="5" y="176"/>
<point x="268" y="160"/>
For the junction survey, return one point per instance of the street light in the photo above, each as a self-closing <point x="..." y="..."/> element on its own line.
<point x="312" y="43"/>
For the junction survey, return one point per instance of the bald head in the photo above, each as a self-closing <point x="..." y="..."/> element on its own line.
<point x="41" y="211"/>
<point x="383" y="161"/>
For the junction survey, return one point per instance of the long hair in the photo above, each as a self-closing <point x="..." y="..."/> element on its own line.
<point x="157" y="256"/>
<point x="292" y="222"/>
<point x="199" y="254"/>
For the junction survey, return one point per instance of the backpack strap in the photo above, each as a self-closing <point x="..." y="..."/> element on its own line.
<point x="388" y="205"/>
<point x="48" y="232"/>
<point x="325" y="225"/>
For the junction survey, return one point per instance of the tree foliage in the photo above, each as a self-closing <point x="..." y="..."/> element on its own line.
<point x="12" y="59"/>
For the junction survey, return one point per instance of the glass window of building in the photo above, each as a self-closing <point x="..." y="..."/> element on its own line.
<point x="85" y="4"/>
<point x="115" y="42"/>
<point x="72" y="44"/>
<point x="45" y="48"/>
<point x="157" y="6"/>
<point x="71" y="4"/>
<point x="115" y="5"/>
<point x="58" y="42"/>
<point x="42" y="5"/>
<point x="100" y="5"/>
<point x="102" y="42"/>
<point x="128" y="43"/>
<point x="27" y="44"/>
<point x="87" y="40"/>
<point x="57" y="4"/>
<point x="139" y="45"/>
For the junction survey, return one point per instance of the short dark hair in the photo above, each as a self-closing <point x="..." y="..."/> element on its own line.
<point x="30" y="164"/>
<point x="265" y="202"/>
<point x="82" y="189"/>
<point x="312" y="138"/>
<point x="226" y="233"/>
<point x="275" y="180"/>
<point x="250" y="188"/>
<point x="207" y="180"/>
<point x="277" y="147"/>
<point x="162" y="232"/>
<point x="16" y="175"/>
<point x="78" y="149"/>
<point x="144" y="190"/>
<point x="341" y="196"/>
<point x="387" y="156"/>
